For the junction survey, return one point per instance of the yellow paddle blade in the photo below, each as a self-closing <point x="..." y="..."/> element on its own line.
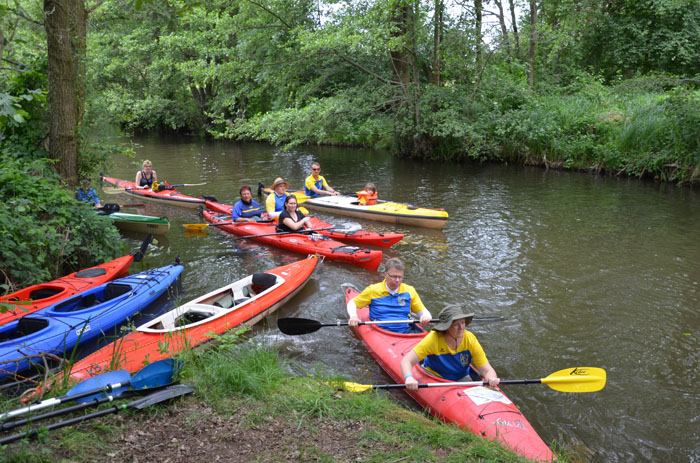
<point x="304" y="210"/>
<point x="577" y="379"/>
<point x="195" y="226"/>
<point x="301" y="197"/>
<point x="350" y="387"/>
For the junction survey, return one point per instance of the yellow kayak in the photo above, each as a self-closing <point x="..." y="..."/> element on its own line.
<point x="384" y="211"/>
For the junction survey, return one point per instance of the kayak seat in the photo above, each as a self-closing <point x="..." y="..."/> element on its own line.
<point x="113" y="290"/>
<point x="89" y="301"/>
<point x="25" y="326"/>
<point x="91" y="273"/>
<point x="43" y="293"/>
<point x="263" y="281"/>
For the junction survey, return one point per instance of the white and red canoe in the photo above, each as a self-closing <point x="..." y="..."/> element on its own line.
<point x="241" y="303"/>
<point x="484" y="411"/>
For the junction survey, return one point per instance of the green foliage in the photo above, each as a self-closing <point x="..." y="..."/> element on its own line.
<point x="45" y="231"/>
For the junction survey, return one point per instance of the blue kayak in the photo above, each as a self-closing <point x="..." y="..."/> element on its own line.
<point x="58" y="328"/>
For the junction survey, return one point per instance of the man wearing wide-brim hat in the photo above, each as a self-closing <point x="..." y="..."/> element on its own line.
<point x="449" y="351"/>
<point x="274" y="204"/>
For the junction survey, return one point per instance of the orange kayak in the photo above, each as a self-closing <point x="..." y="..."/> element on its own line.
<point x="239" y="304"/>
<point x="484" y="411"/>
<point x="298" y="242"/>
<point x="359" y="237"/>
<point x="37" y="297"/>
<point x="164" y="197"/>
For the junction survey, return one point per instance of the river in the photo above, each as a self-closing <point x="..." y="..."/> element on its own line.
<point x="586" y="270"/>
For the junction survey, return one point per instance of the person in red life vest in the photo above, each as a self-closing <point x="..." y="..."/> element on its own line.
<point x="247" y="209"/>
<point x="448" y="351"/>
<point x="146" y="176"/>
<point x="368" y="196"/>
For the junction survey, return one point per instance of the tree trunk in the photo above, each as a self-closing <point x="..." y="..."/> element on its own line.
<point x="533" y="41"/>
<point x="504" y="29"/>
<point x="78" y="24"/>
<point x="516" y="36"/>
<point x="62" y="90"/>
<point x="478" y="32"/>
<point x="437" y="40"/>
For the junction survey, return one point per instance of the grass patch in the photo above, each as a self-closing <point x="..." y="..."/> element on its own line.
<point x="247" y="407"/>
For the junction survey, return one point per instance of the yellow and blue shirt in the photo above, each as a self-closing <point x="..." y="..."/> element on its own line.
<point x="450" y="364"/>
<point x="311" y="181"/>
<point x="385" y="305"/>
<point x="275" y="203"/>
<point x="241" y="209"/>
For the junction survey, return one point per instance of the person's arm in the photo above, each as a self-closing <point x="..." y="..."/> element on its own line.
<point x="489" y="374"/>
<point x="353" y="319"/>
<point x="288" y="222"/>
<point x="155" y="176"/>
<point x="424" y="316"/>
<point x="137" y="182"/>
<point x="236" y="213"/>
<point x="270" y="204"/>
<point x="330" y="191"/>
<point x="407" y="364"/>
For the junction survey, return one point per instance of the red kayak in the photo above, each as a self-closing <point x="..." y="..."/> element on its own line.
<point x="239" y="304"/>
<point x="353" y="236"/>
<point x="297" y="242"/>
<point x="170" y="196"/>
<point x="481" y="410"/>
<point x="39" y="296"/>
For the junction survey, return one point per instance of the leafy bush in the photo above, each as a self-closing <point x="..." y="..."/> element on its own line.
<point x="45" y="231"/>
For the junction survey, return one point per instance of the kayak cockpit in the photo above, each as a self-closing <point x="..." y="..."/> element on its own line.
<point x="215" y="304"/>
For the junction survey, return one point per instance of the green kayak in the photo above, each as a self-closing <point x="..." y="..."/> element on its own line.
<point x="140" y="223"/>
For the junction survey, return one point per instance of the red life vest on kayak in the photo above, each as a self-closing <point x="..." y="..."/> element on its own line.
<point x="365" y="197"/>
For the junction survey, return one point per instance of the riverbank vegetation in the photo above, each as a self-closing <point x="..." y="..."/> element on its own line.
<point x="249" y="407"/>
<point x="606" y="86"/>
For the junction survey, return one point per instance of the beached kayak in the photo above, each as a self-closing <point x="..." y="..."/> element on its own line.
<point x="383" y="211"/>
<point x="140" y="223"/>
<point x="58" y="328"/>
<point x="36" y="297"/>
<point x="342" y="232"/>
<point x="481" y="410"/>
<point x="242" y="303"/>
<point x="163" y="197"/>
<point x="297" y="242"/>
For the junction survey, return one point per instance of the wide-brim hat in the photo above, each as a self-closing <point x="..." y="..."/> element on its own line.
<point x="449" y="314"/>
<point x="279" y="181"/>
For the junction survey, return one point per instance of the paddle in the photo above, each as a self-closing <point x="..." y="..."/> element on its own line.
<point x="294" y="326"/>
<point x="202" y="226"/>
<point x="138" y="255"/>
<point x="578" y="379"/>
<point x="139" y="404"/>
<point x="304" y="231"/>
<point x="160" y="372"/>
<point x="140" y="387"/>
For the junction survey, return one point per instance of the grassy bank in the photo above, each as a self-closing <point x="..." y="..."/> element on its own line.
<point x="248" y="407"/>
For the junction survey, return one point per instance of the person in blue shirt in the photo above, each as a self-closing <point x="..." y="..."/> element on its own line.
<point x="392" y="299"/>
<point x="247" y="209"/>
<point x="87" y="193"/>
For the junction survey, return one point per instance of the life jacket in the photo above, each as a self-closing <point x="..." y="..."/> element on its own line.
<point x="365" y="197"/>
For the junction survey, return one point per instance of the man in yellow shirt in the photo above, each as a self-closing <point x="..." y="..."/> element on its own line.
<point x="315" y="185"/>
<point x="390" y="300"/>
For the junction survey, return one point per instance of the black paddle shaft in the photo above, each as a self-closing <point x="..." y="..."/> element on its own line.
<point x="160" y="396"/>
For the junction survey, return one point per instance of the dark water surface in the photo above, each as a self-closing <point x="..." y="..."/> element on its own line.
<point x="587" y="271"/>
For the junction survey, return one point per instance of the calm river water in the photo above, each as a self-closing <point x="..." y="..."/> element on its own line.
<point x="587" y="271"/>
